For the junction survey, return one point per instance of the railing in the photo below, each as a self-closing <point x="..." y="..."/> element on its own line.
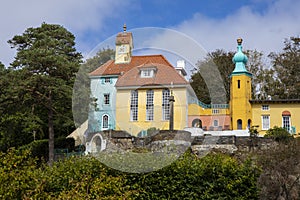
<point x="213" y="106"/>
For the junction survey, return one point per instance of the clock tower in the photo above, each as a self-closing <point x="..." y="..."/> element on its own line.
<point x="124" y="46"/>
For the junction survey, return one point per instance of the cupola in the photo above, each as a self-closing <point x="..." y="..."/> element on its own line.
<point x="240" y="59"/>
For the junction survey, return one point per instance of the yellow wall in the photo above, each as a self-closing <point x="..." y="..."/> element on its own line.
<point x="275" y="113"/>
<point x="134" y="127"/>
<point x="195" y="109"/>
<point x="240" y="106"/>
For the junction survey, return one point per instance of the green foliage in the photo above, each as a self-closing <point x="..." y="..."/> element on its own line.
<point x="286" y="65"/>
<point x="211" y="81"/>
<point x="17" y="171"/>
<point x="39" y="148"/>
<point x="212" y="177"/>
<point x="46" y="63"/>
<point x="81" y="90"/>
<point x="279" y="134"/>
<point x="215" y="176"/>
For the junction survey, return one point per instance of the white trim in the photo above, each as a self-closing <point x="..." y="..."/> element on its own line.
<point x="262" y="122"/>
<point x="290" y="124"/>
<point x="134" y="87"/>
<point x="102" y="122"/>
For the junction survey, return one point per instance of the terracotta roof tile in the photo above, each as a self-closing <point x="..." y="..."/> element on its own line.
<point x="164" y="75"/>
<point x="110" y="68"/>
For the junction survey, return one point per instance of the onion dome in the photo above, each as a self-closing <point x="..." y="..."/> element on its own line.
<point x="240" y="59"/>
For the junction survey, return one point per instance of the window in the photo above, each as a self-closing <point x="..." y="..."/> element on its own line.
<point x="149" y="105"/>
<point x="265" y="107"/>
<point x="239" y="124"/>
<point x="216" y="122"/>
<point x="147" y="73"/>
<point x="165" y="104"/>
<point x="134" y="105"/>
<point x="105" y="122"/>
<point x="265" y="122"/>
<point x="106" y="80"/>
<point x="249" y="123"/>
<point x="106" y="99"/>
<point x="239" y="84"/>
<point x="286" y="123"/>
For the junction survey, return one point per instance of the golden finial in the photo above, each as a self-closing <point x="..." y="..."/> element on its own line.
<point x="124" y="28"/>
<point x="239" y="41"/>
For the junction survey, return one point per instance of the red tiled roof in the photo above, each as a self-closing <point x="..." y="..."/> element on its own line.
<point x="164" y="75"/>
<point x="110" y="68"/>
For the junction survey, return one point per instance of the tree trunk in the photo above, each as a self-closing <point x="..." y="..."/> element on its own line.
<point x="51" y="131"/>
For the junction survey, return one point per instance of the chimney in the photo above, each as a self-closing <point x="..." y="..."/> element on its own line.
<point x="180" y="67"/>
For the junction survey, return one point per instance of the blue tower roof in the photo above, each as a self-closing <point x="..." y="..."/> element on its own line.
<point x="240" y="60"/>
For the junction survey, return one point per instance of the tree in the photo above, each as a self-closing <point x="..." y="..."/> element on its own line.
<point x="263" y="82"/>
<point x="47" y="61"/>
<point x="286" y="65"/>
<point x="211" y="82"/>
<point x="81" y="90"/>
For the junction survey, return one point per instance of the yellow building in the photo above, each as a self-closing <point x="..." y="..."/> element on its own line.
<point x="282" y="113"/>
<point x="133" y="95"/>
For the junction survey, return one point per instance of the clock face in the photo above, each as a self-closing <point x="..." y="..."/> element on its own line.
<point x="122" y="49"/>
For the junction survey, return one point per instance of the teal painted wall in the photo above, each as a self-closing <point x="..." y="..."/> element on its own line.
<point x="99" y="87"/>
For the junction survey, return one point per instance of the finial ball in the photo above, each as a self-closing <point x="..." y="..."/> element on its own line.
<point x="239" y="41"/>
<point x="124" y="28"/>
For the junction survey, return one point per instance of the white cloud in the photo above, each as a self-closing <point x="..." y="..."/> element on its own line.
<point x="78" y="16"/>
<point x="263" y="31"/>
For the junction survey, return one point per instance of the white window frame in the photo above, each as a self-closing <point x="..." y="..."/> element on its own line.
<point x="105" y="123"/>
<point x="149" y="105"/>
<point x="265" y="122"/>
<point x="165" y="104"/>
<point x="284" y="124"/>
<point x="147" y="73"/>
<point x="265" y="107"/>
<point x="134" y="98"/>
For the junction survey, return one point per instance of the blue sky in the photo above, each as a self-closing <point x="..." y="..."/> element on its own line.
<point x="214" y="24"/>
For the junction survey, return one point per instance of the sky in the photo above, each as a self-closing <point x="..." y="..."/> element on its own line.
<point x="212" y="24"/>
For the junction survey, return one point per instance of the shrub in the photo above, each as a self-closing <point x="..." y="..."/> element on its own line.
<point x="279" y="134"/>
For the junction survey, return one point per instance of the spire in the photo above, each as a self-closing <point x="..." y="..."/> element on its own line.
<point x="124" y="28"/>
<point x="240" y="59"/>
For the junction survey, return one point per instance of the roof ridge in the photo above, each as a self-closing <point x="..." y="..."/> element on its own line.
<point x="105" y="65"/>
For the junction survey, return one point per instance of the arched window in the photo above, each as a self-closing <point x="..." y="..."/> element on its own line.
<point x="249" y="123"/>
<point x="197" y="123"/>
<point x="239" y="124"/>
<point x="105" y="122"/>
<point x="286" y="120"/>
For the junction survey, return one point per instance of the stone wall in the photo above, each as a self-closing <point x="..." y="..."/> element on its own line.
<point x="178" y="141"/>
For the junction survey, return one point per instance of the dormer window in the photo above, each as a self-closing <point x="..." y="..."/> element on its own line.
<point x="147" y="72"/>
